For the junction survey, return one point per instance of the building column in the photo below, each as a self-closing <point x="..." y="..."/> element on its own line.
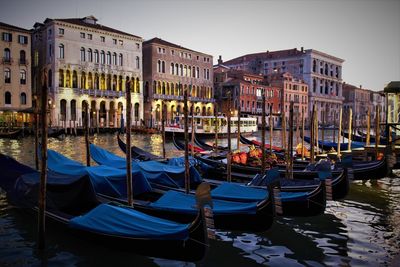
<point x="115" y="118"/>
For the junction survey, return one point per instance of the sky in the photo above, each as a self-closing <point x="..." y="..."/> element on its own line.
<point x="365" y="33"/>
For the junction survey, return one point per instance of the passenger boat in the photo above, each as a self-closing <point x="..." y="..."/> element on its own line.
<point x="299" y="198"/>
<point x="206" y="125"/>
<point x="72" y="203"/>
<point x="178" y="206"/>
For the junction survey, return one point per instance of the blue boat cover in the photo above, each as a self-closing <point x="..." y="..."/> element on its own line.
<point x="14" y="170"/>
<point x="343" y="146"/>
<point x="293" y="196"/>
<point x="106" y="180"/>
<point x="238" y="192"/>
<point x="127" y="222"/>
<point x="187" y="203"/>
<point x="154" y="171"/>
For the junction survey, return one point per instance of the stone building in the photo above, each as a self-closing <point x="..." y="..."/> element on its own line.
<point x="322" y="72"/>
<point x="359" y="100"/>
<point x="87" y="62"/>
<point x="15" y="78"/>
<point x="169" y="70"/>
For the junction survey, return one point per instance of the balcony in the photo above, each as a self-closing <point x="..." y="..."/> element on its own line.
<point x="90" y="92"/>
<point x="23" y="61"/>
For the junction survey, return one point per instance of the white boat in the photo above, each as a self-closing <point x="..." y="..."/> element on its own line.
<point x="205" y="125"/>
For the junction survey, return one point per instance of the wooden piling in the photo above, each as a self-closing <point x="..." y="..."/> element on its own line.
<point x="290" y="141"/>
<point x="216" y="129"/>
<point x="238" y="125"/>
<point x="368" y="127"/>
<point x="349" y="130"/>
<point x="323" y="129"/>
<point x="36" y="114"/>
<point x="302" y="136"/>
<point x="271" y="129"/>
<point x="377" y="132"/>
<point x="86" y="123"/>
<point x="128" y="144"/>
<point x="163" y="113"/>
<point x="229" y="155"/>
<point x="192" y="135"/>
<point x="339" y="133"/>
<point x="263" y="125"/>
<point x="316" y="125"/>
<point x="43" y="170"/>
<point x="283" y="133"/>
<point x="312" y="130"/>
<point x="186" y="129"/>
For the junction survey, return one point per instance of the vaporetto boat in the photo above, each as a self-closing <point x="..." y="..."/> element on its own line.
<point x="207" y="125"/>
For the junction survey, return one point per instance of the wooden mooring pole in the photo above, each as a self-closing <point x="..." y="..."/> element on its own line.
<point x="229" y="155"/>
<point x="128" y="145"/>
<point x="186" y="129"/>
<point x="263" y="124"/>
<point x="86" y="122"/>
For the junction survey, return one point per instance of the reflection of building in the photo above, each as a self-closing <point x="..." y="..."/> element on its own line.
<point x="15" y="78"/>
<point x="87" y="61"/>
<point x="168" y="70"/>
<point x="322" y="73"/>
<point x="246" y="89"/>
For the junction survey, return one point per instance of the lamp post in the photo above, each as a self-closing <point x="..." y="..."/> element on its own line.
<point x="49" y="112"/>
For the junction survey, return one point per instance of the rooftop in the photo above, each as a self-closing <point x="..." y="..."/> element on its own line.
<point x="160" y="41"/>
<point x="12" y="27"/>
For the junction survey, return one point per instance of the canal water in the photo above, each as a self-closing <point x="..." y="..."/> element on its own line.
<point x="361" y="230"/>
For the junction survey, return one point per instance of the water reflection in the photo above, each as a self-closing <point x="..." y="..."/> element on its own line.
<point x="362" y="230"/>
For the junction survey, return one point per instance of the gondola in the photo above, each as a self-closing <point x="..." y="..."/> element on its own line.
<point x="372" y="138"/>
<point x="340" y="179"/>
<point x="256" y="143"/>
<point x="73" y="204"/>
<point x="200" y="143"/>
<point x="327" y="145"/>
<point x="300" y="198"/>
<point x="178" y="206"/>
<point x="11" y="134"/>
<point x="354" y="137"/>
<point x="136" y="152"/>
<point x="180" y="146"/>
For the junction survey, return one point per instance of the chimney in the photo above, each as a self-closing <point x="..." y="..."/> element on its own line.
<point x="360" y="86"/>
<point x="220" y="61"/>
<point x="302" y="49"/>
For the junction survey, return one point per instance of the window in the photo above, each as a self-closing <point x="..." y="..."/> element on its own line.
<point x="172" y="70"/>
<point x="7" y="37"/>
<point x="7" y="55"/>
<point x="90" y="55"/>
<point x="22" y="77"/>
<point x="102" y="39"/>
<point x="138" y="62"/>
<point x="137" y="46"/>
<point x="163" y="67"/>
<point x="102" y="57"/>
<point x="23" y="99"/>
<point x="7" y="99"/>
<point x="61" y="51"/>
<point x="96" y="56"/>
<point x="172" y="52"/>
<point x="108" y="58"/>
<point x="7" y="75"/>
<point x="89" y="36"/>
<point x="22" y="57"/>
<point x="83" y="35"/>
<point x="114" y="59"/>
<point x="159" y="66"/>
<point x="50" y="50"/>
<point x="22" y="39"/>
<point x="83" y="54"/>
<point x="121" y="42"/>
<point x="114" y="41"/>
<point x="121" y="59"/>
<point x="61" y="31"/>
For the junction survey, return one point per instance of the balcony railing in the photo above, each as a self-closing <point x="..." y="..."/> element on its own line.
<point x="180" y="98"/>
<point x="7" y="60"/>
<point x="23" y="61"/>
<point x="91" y="92"/>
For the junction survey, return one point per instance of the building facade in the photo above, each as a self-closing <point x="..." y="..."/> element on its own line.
<point x="322" y="73"/>
<point x="15" y="80"/>
<point x="359" y="100"/>
<point x="169" y="70"/>
<point x="378" y="99"/>
<point x="87" y="62"/>
<point x="293" y="89"/>
<point x="246" y="90"/>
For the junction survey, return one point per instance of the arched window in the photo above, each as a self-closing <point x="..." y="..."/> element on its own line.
<point x="83" y="54"/>
<point x="50" y="78"/>
<point x="68" y="79"/>
<point x="114" y="83"/>
<point x="185" y="70"/>
<point x="102" y="57"/>
<point x="61" y="78"/>
<point x="23" y="99"/>
<point x="74" y="79"/>
<point x="108" y="58"/>
<point x="96" y="81"/>
<point x="314" y="85"/>
<point x="114" y="59"/>
<point x="61" y="51"/>
<point x="176" y="69"/>
<point x="121" y="60"/>
<point x="89" y="55"/>
<point x="120" y="83"/>
<point x="158" y="65"/>
<point x="90" y="81"/>
<point x="22" y="77"/>
<point x="83" y="80"/>
<point x="163" y="67"/>
<point x="7" y="75"/>
<point x="22" y="57"/>
<point x="96" y="56"/>
<point x="7" y="98"/>
<point x="137" y="86"/>
<point x="181" y="68"/>
<point x="172" y="70"/>
<point x="63" y="109"/>
<point x="314" y="66"/>
<point x="194" y="72"/>
<point x="189" y="71"/>
<point x="7" y="55"/>
<point x="73" y="110"/>
<point x="326" y="69"/>
<point x="138" y="62"/>
<point x="136" y="112"/>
